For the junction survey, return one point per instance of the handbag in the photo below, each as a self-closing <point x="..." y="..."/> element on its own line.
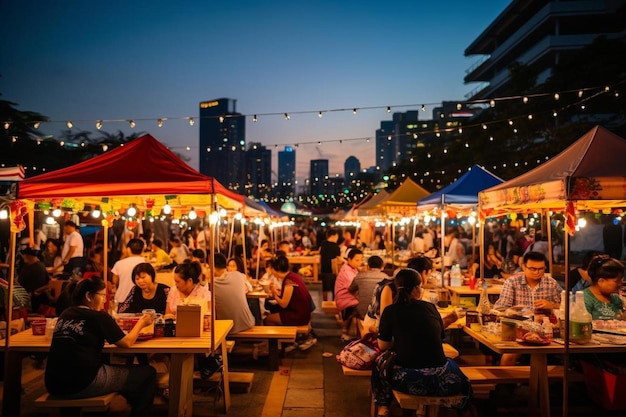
<point x="385" y="364"/>
<point x="360" y="354"/>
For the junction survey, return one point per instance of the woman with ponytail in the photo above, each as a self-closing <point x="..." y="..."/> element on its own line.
<point x="414" y="330"/>
<point x="75" y="368"/>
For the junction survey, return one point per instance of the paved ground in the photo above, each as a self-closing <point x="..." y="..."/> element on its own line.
<point x="311" y="385"/>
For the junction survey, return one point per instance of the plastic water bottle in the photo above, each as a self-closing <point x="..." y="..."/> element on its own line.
<point x="455" y="276"/>
<point x="546" y="327"/>
<point x="580" y="327"/>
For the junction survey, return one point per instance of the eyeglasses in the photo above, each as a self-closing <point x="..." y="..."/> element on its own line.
<point x="101" y="294"/>
<point x="534" y="270"/>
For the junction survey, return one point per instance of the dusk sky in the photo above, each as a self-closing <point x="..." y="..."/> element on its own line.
<point x="84" y="61"/>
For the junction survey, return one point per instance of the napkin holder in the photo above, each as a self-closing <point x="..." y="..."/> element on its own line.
<point x="189" y="320"/>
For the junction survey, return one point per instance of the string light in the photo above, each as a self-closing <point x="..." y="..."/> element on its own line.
<point x="254" y="119"/>
<point x="423" y="107"/>
<point x="557" y="96"/>
<point x="36" y="125"/>
<point x="286" y="116"/>
<point x="7" y="125"/>
<point x="99" y="124"/>
<point x="525" y="100"/>
<point x="492" y="103"/>
<point x="320" y="114"/>
<point x="131" y="123"/>
<point x="191" y="121"/>
<point x="353" y="111"/>
<point x="160" y="122"/>
<point x="388" y="109"/>
<point x="69" y="124"/>
<point x="221" y="118"/>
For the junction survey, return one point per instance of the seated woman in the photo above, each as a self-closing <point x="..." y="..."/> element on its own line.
<point x="493" y="262"/>
<point x="292" y="298"/>
<point x="51" y="257"/>
<point x="602" y="297"/>
<point x="188" y="288"/>
<point x="75" y="368"/>
<point x="414" y="330"/>
<point x="579" y="276"/>
<point x="146" y="293"/>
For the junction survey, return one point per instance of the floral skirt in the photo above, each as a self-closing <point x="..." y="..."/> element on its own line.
<point x="443" y="381"/>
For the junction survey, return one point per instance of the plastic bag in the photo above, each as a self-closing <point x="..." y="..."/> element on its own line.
<point x="360" y="354"/>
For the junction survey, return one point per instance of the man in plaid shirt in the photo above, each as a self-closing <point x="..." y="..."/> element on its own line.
<point x="529" y="288"/>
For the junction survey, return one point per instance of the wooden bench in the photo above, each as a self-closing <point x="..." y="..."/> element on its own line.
<point x="330" y="307"/>
<point x="75" y="407"/>
<point x="429" y="404"/>
<point x="272" y="334"/>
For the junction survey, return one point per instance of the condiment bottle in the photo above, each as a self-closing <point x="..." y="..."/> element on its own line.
<point x="580" y="326"/>
<point x="547" y="329"/>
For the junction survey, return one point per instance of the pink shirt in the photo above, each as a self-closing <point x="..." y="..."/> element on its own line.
<point x="343" y="298"/>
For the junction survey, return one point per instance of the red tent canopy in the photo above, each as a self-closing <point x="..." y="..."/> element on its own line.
<point x="143" y="167"/>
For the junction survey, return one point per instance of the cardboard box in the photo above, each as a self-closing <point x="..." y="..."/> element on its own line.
<point x="189" y="320"/>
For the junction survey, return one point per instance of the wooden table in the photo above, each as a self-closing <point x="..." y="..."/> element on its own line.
<point x="539" y="395"/>
<point x="181" y="349"/>
<point x="257" y="294"/>
<point x="456" y="292"/>
<point x="308" y="260"/>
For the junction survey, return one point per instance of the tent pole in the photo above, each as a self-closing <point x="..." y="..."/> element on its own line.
<point x="481" y="248"/>
<point x="105" y="252"/>
<point x="243" y="243"/>
<point x="566" y="245"/>
<point x="546" y="217"/>
<point x="442" y="245"/>
<point x="212" y="273"/>
<point x="9" y="304"/>
<point x="232" y="235"/>
<point x="413" y="234"/>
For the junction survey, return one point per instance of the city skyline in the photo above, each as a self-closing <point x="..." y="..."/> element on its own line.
<point x="144" y="61"/>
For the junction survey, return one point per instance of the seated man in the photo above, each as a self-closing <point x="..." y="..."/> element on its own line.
<point x="364" y="283"/>
<point x="230" y="296"/>
<point x="347" y="301"/>
<point x="531" y="288"/>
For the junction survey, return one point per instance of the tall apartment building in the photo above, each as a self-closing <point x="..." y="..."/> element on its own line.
<point x="538" y="33"/>
<point x="223" y="142"/>
<point x="286" y="172"/>
<point x="396" y="139"/>
<point x="318" y="179"/>
<point x="258" y="171"/>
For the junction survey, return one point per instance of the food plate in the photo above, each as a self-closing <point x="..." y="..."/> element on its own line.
<point x="533" y="342"/>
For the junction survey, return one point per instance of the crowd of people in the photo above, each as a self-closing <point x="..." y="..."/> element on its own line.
<point x="370" y="297"/>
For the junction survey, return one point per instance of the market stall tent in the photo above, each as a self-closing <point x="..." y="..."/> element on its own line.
<point x="460" y="196"/>
<point x="588" y="175"/>
<point x="462" y="193"/>
<point x="143" y="174"/>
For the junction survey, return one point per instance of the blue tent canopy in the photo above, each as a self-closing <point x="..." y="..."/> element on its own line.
<point x="463" y="191"/>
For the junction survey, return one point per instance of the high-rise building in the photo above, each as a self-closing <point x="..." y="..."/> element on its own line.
<point x="396" y="139"/>
<point x="538" y="34"/>
<point x="286" y="172"/>
<point x="351" y="169"/>
<point x="223" y="142"/>
<point x="319" y="176"/>
<point x="258" y="171"/>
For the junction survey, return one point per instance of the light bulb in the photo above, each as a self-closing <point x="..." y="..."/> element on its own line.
<point x="221" y="119"/>
<point x="6" y="125"/>
<point x="4" y="214"/>
<point x="191" y="121"/>
<point x="388" y="109"/>
<point x="69" y="124"/>
<point x="254" y="119"/>
<point x="131" y="211"/>
<point x="96" y="213"/>
<point x="287" y="116"/>
<point x="50" y="220"/>
<point x="525" y="100"/>
<point x="167" y="209"/>
<point x="56" y="212"/>
<point x="36" y="125"/>
<point x="160" y="122"/>
<point x="557" y="96"/>
<point x="192" y="214"/>
<point x="131" y="123"/>
<point x="320" y="114"/>
<point x="492" y="103"/>
<point x="99" y="124"/>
